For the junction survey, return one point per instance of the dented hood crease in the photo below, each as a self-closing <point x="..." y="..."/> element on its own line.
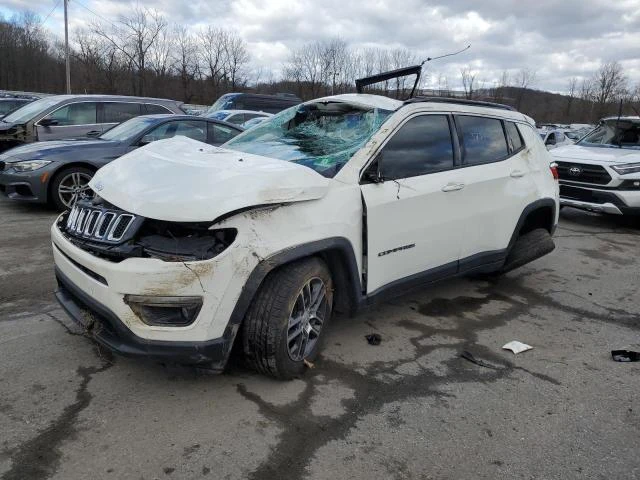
<point x="184" y="180"/>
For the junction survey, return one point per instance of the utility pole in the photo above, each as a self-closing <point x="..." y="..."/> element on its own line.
<point x="66" y="47"/>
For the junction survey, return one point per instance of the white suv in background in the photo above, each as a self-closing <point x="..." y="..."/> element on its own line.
<point x="328" y="206"/>
<point x="601" y="173"/>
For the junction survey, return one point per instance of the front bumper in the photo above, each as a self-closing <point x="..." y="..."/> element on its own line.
<point x="615" y="202"/>
<point x="27" y="187"/>
<point x="107" y="329"/>
<point x="98" y="286"/>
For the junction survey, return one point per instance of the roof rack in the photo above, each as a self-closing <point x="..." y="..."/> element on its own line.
<point x="459" y="101"/>
<point x="381" y="77"/>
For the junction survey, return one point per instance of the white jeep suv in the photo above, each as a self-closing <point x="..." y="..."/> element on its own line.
<point x="328" y="206"/>
<point x="601" y="173"/>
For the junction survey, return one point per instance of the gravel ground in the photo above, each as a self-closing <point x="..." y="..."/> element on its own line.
<point x="410" y="408"/>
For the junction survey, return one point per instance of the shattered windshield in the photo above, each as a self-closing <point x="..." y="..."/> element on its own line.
<point x="321" y="136"/>
<point x="613" y="134"/>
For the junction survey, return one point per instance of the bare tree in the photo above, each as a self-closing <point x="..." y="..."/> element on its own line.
<point x="571" y="93"/>
<point x="185" y="59"/>
<point x="236" y="58"/>
<point x="134" y="36"/>
<point x="609" y="83"/>
<point x="523" y="80"/>
<point x="468" y="79"/>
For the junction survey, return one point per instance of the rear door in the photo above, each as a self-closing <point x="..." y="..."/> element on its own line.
<point x="498" y="186"/>
<point x="113" y="113"/>
<point x="413" y="216"/>
<point x="72" y="120"/>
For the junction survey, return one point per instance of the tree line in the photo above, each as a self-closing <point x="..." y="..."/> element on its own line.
<point x="143" y="54"/>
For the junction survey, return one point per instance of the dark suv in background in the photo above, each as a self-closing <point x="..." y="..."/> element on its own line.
<point x="70" y="116"/>
<point x="254" y="101"/>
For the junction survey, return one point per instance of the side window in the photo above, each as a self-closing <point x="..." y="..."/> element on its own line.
<point x="551" y="139"/>
<point x="119" y="112"/>
<point x="193" y="129"/>
<point x="514" y="139"/>
<point x="75" y="114"/>
<point x="483" y="140"/>
<point x="249" y="116"/>
<point x="421" y="146"/>
<point x="153" y="109"/>
<point x="559" y="137"/>
<point x="219" y="134"/>
<point x="236" y="119"/>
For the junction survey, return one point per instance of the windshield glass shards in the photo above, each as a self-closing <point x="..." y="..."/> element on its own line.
<point x="321" y="136"/>
<point x="613" y="134"/>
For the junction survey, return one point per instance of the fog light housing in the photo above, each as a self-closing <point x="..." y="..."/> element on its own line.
<point x="165" y="311"/>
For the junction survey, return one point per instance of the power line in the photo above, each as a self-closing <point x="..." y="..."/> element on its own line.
<point x="52" y="10"/>
<point x="96" y="14"/>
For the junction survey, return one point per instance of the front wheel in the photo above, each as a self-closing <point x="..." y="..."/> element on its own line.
<point x="71" y="185"/>
<point x="285" y="323"/>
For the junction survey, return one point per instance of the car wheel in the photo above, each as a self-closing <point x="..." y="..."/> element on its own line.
<point x="284" y="325"/>
<point x="70" y="185"/>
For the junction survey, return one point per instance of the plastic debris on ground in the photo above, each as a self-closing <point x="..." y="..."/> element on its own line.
<point x="517" y="347"/>
<point x="373" y="339"/>
<point x="469" y="356"/>
<point x="625" y="356"/>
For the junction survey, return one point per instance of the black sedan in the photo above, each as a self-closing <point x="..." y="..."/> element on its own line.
<point x="58" y="172"/>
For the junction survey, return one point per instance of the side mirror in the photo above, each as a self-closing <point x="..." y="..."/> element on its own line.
<point x="550" y="141"/>
<point x="48" y="122"/>
<point x="373" y="174"/>
<point x="146" y="140"/>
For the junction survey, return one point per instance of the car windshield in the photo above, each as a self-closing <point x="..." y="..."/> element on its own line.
<point x="223" y="102"/>
<point x="614" y="134"/>
<point x="128" y="129"/>
<point x="321" y="136"/>
<point x="30" y="110"/>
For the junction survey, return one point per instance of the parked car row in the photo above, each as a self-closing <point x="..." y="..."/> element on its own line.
<point x="49" y="159"/>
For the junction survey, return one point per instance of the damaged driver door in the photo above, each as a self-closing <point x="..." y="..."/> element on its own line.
<point x="414" y="210"/>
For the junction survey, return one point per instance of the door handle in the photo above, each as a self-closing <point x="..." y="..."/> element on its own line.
<point x="518" y="173"/>
<point x="452" y="187"/>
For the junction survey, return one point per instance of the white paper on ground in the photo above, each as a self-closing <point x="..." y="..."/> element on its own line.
<point x="517" y="347"/>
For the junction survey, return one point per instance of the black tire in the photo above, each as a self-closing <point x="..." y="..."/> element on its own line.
<point x="528" y="247"/>
<point x="54" y="196"/>
<point x="266" y="324"/>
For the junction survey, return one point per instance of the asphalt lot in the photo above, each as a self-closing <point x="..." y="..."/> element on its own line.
<point x="410" y="408"/>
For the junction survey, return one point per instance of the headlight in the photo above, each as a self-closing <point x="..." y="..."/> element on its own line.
<point x="627" y="168"/>
<point x="29" y="165"/>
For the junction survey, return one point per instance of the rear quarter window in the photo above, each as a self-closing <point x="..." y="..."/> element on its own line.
<point x="514" y="139"/>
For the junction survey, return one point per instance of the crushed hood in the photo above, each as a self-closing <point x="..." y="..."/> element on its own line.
<point x="181" y="179"/>
<point x="596" y="154"/>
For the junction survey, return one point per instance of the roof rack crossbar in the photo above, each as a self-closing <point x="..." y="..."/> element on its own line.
<point x="459" y="101"/>
<point x="381" y="77"/>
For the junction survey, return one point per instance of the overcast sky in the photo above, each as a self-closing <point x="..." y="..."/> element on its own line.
<point x="558" y="39"/>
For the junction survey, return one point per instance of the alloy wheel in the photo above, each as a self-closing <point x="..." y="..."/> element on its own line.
<point x="73" y="187"/>
<point x="306" y="319"/>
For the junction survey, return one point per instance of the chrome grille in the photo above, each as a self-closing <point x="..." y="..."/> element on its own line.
<point x="98" y="224"/>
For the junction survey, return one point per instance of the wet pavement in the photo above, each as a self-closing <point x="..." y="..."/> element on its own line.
<point x="409" y="408"/>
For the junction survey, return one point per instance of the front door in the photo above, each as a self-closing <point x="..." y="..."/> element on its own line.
<point x="414" y="215"/>
<point x="73" y="120"/>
